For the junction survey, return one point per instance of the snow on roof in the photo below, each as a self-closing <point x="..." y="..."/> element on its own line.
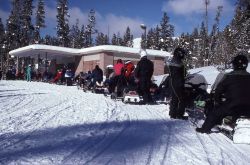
<point x="44" y="47"/>
<point x="32" y="50"/>
<point x="137" y="43"/>
<point x="122" y="49"/>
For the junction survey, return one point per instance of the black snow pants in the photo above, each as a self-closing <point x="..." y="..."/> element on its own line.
<point x="144" y="90"/>
<point x="177" y="104"/>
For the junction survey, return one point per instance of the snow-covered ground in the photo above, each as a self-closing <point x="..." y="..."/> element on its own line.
<point x="43" y="123"/>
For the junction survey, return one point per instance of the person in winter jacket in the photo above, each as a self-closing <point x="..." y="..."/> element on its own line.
<point x="97" y="75"/>
<point x="177" y="75"/>
<point x="129" y="73"/>
<point x="231" y="97"/>
<point x="143" y="72"/>
<point x="28" y="73"/>
<point x="58" y="76"/>
<point x="64" y="69"/>
<point x="129" y="68"/>
<point x="115" y="80"/>
<point x="118" y="67"/>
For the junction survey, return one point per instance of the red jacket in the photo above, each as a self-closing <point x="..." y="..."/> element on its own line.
<point x="117" y="68"/>
<point x="129" y="68"/>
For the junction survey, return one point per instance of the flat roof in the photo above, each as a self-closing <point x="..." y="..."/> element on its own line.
<point x="57" y="51"/>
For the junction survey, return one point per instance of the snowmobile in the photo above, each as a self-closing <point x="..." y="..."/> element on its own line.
<point x="99" y="88"/>
<point x="126" y="96"/>
<point x="83" y="82"/>
<point x="199" y="102"/>
<point x="131" y="96"/>
<point x="69" y="77"/>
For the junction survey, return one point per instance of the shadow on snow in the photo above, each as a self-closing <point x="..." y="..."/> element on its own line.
<point x="77" y="140"/>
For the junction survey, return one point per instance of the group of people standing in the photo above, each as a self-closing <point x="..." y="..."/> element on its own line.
<point x="126" y="75"/>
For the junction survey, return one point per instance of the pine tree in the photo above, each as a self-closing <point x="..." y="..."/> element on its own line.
<point x="62" y="23"/>
<point x="120" y="41"/>
<point x="27" y="29"/>
<point x="195" y="47"/>
<point x="48" y="40"/>
<point x="227" y="47"/>
<point x="150" y="39"/>
<point x="83" y="38"/>
<point x="106" y="40"/>
<point x="214" y="38"/>
<point x="2" y="33"/>
<point x="40" y="21"/>
<point x="100" y="39"/>
<point x="75" y="36"/>
<point x="167" y="32"/>
<point x="244" y="7"/>
<point x="114" y="40"/>
<point x="157" y="39"/>
<point x="13" y="28"/>
<point x="203" y="45"/>
<point x="90" y="28"/>
<point x="2" y="42"/>
<point x="128" y="38"/>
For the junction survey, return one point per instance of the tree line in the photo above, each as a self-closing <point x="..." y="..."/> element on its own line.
<point x="204" y="48"/>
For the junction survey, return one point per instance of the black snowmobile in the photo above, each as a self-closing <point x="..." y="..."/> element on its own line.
<point x="199" y="103"/>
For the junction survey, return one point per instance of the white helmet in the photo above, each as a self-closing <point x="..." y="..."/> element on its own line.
<point x="143" y="53"/>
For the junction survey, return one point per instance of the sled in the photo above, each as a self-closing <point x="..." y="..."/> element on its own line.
<point x="99" y="88"/>
<point x="131" y="97"/>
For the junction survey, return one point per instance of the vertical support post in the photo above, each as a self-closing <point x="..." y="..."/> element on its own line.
<point x="46" y="59"/>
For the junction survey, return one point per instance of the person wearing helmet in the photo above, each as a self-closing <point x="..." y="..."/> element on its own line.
<point x="231" y="96"/>
<point x="143" y="72"/>
<point x="177" y="73"/>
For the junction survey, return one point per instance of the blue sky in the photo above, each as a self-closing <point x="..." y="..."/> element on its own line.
<point x="114" y="16"/>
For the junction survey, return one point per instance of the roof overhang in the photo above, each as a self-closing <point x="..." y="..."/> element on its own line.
<point x="43" y="51"/>
<point x="56" y="51"/>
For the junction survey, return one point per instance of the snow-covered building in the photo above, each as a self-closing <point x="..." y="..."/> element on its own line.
<point x="86" y="59"/>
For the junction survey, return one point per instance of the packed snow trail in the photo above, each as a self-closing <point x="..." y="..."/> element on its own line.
<point x="43" y="123"/>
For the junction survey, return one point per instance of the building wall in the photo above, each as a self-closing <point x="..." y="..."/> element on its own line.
<point x="107" y="58"/>
<point x="158" y="65"/>
<point x="88" y="62"/>
<point x="79" y="64"/>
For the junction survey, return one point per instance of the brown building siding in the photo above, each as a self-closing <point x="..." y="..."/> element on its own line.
<point x="107" y="59"/>
<point x="79" y="64"/>
<point x="88" y="62"/>
<point x="158" y="66"/>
